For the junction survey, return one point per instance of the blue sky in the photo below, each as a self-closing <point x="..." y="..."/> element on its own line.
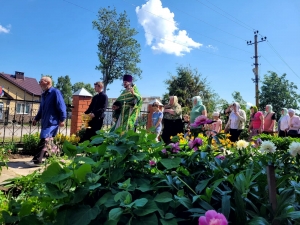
<point x="56" y="38"/>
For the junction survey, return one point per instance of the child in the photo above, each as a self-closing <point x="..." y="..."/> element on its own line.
<point x="216" y="127"/>
<point x="186" y="124"/>
<point x="156" y="119"/>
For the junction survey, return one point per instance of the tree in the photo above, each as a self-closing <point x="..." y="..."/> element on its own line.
<point x="80" y="85"/>
<point x="187" y="84"/>
<point x="278" y="92"/>
<point x="118" y="51"/>
<point x="238" y="98"/>
<point x="65" y="86"/>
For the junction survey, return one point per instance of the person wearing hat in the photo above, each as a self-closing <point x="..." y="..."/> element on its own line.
<point x="96" y="111"/>
<point x="131" y="104"/>
<point x="294" y="124"/>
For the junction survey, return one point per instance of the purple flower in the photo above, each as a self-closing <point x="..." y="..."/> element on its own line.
<point x="213" y="218"/>
<point x="164" y="151"/>
<point x="258" y="141"/>
<point x="152" y="162"/>
<point x="222" y="157"/>
<point x="201" y="120"/>
<point x="198" y="141"/>
<point x="191" y="144"/>
<point x="175" y="147"/>
<point x="195" y="148"/>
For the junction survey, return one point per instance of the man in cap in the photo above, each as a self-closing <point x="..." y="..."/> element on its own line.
<point x="131" y="103"/>
<point x="96" y="111"/>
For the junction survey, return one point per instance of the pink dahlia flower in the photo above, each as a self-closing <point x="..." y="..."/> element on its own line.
<point x="152" y="162"/>
<point x="213" y="218"/>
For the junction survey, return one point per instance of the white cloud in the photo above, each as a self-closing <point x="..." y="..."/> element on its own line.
<point x="214" y="48"/>
<point x="249" y="104"/>
<point x="5" y="30"/>
<point x="161" y="30"/>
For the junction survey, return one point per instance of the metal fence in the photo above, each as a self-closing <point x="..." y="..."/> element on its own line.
<point x="16" y="118"/>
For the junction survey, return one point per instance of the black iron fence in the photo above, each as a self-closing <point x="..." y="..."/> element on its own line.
<point x="16" y="118"/>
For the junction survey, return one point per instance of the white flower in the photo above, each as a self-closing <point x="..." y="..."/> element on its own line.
<point x="268" y="147"/>
<point x="241" y="144"/>
<point x="294" y="148"/>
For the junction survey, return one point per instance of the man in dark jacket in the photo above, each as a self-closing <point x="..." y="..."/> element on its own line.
<point x="96" y="111"/>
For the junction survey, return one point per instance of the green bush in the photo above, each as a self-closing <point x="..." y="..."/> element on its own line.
<point x="10" y="148"/>
<point x="282" y="143"/>
<point x="30" y="143"/>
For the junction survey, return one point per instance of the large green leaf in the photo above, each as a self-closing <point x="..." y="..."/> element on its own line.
<point x="258" y="221"/>
<point x="31" y="219"/>
<point x="140" y="202"/>
<point x="115" y="214"/>
<point x="79" y="194"/>
<point x="116" y="175"/>
<point x="82" y="171"/>
<point x="226" y="205"/>
<point x="25" y="209"/>
<point x="54" y="192"/>
<point x="170" y="163"/>
<point x="168" y="222"/>
<point x="97" y="141"/>
<point x="163" y="197"/>
<point x="137" y="156"/>
<point x="54" y="173"/>
<point x="145" y="220"/>
<point x="69" y="149"/>
<point x="150" y="207"/>
<point x="82" y="160"/>
<point x="186" y="202"/>
<point x="120" y="149"/>
<point x="202" y="185"/>
<point x="82" y="214"/>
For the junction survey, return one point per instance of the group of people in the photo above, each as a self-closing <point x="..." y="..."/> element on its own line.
<point x="52" y="112"/>
<point x="166" y="123"/>
<point x="170" y="122"/>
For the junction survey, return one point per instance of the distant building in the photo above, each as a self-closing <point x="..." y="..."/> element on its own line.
<point x="17" y="96"/>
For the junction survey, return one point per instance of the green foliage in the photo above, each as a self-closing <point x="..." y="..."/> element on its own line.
<point x="65" y="87"/>
<point x="80" y="85"/>
<point x="10" y="148"/>
<point x="3" y="158"/>
<point x="187" y="84"/>
<point x="53" y="82"/>
<point x="109" y="180"/>
<point x="118" y="51"/>
<point x="279" y="92"/>
<point x="30" y="143"/>
<point x="282" y="143"/>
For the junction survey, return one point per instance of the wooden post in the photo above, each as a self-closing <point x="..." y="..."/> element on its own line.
<point x="272" y="190"/>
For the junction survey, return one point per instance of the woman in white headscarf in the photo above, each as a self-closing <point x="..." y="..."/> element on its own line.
<point x="236" y="122"/>
<point x="198" y="109"/>
<point x="172" y="120"/>
<point x="283" y="123"/>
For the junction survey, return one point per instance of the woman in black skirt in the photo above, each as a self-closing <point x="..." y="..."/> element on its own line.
<point x="172" y="120"/>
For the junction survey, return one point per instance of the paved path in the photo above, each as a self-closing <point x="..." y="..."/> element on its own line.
<point x="17" y="167"/>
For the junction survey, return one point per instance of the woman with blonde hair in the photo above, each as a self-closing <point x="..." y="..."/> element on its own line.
<point x="172" y="120"/>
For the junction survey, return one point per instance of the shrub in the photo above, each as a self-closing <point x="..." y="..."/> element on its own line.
<point x="30" y="142"/>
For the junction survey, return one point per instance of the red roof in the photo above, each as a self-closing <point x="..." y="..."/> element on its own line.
<point x="28" y="84"/>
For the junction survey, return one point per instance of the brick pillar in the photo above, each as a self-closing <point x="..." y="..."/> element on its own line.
<point x="81" y="104"/>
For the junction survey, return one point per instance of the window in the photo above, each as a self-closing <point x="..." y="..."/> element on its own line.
<point x="23" y="108"/>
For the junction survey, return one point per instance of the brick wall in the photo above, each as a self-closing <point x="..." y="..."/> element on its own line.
<point x="81" y="104"/>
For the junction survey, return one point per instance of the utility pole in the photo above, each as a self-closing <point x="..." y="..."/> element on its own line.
<point x="255" y="69"/>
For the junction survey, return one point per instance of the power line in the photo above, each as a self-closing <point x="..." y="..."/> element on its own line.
<point x="171" y="40"/>
<point x="271" y="46"/>
<point x="79" y="6"/>
<point x="270" y="64"/>
<point x="189" y="29"/>
<point x="239" y="21"/>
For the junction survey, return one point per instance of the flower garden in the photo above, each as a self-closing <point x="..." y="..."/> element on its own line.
<point x="131" y="179"/>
